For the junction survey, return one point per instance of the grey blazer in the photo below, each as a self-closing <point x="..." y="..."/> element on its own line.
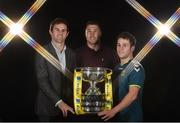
<point x="52" y="84"/>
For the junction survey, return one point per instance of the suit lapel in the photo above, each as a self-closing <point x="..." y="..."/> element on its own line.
<point x="52" y="51"/>
<point x="67" y="56"/>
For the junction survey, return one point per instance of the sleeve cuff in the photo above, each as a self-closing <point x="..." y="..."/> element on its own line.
<point x="58" y="102"/>
<point x="133" y="85"/>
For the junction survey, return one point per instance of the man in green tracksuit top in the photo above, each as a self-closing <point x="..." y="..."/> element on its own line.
<point x="129" y="84"/>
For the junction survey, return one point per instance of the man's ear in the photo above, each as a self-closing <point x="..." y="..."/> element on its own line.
<point x="67" y="34"/>
<point x="132" y="48"/>
<point x="50" y="32"/>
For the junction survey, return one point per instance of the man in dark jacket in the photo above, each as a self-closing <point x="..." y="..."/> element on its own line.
<point x="94" y="54"/>
<point x="55" y="92"/>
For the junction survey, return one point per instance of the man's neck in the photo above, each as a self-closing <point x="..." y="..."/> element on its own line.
<point x="126" y="60"/>
<point x="59" y="46"/>
<point x="95" y="47"/>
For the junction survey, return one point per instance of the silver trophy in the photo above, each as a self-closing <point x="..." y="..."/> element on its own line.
<point x="93" y="89"/>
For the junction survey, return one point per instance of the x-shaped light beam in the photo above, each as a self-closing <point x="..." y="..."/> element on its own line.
<point x="24" y="19"/>
<point x="154" y="40"/>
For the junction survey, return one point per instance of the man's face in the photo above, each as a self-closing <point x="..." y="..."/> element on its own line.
<point x="124" y="48"/>
<point x="93" y="34"/>
<point x="59" y="33"/>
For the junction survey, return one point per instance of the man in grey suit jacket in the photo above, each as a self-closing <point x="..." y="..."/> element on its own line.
<point x="55" y="92"/>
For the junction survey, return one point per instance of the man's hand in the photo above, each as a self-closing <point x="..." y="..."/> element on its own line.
<point x="65" y="108"/>
<point x="106" y="115"/>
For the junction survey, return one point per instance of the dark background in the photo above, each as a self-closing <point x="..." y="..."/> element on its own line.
<point x="18" y="84"/>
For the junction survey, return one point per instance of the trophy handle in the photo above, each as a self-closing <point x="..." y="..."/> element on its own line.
<point x="78" y="92"/>
<point x="108" y="91"/>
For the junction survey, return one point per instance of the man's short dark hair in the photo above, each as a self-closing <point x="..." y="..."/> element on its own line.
<point x="128" y="36"/>
<point x="93" y="22"/>
<point x="59" y="21"/>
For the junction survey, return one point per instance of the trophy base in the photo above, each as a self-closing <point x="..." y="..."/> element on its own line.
<point x="92" y="103"/>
